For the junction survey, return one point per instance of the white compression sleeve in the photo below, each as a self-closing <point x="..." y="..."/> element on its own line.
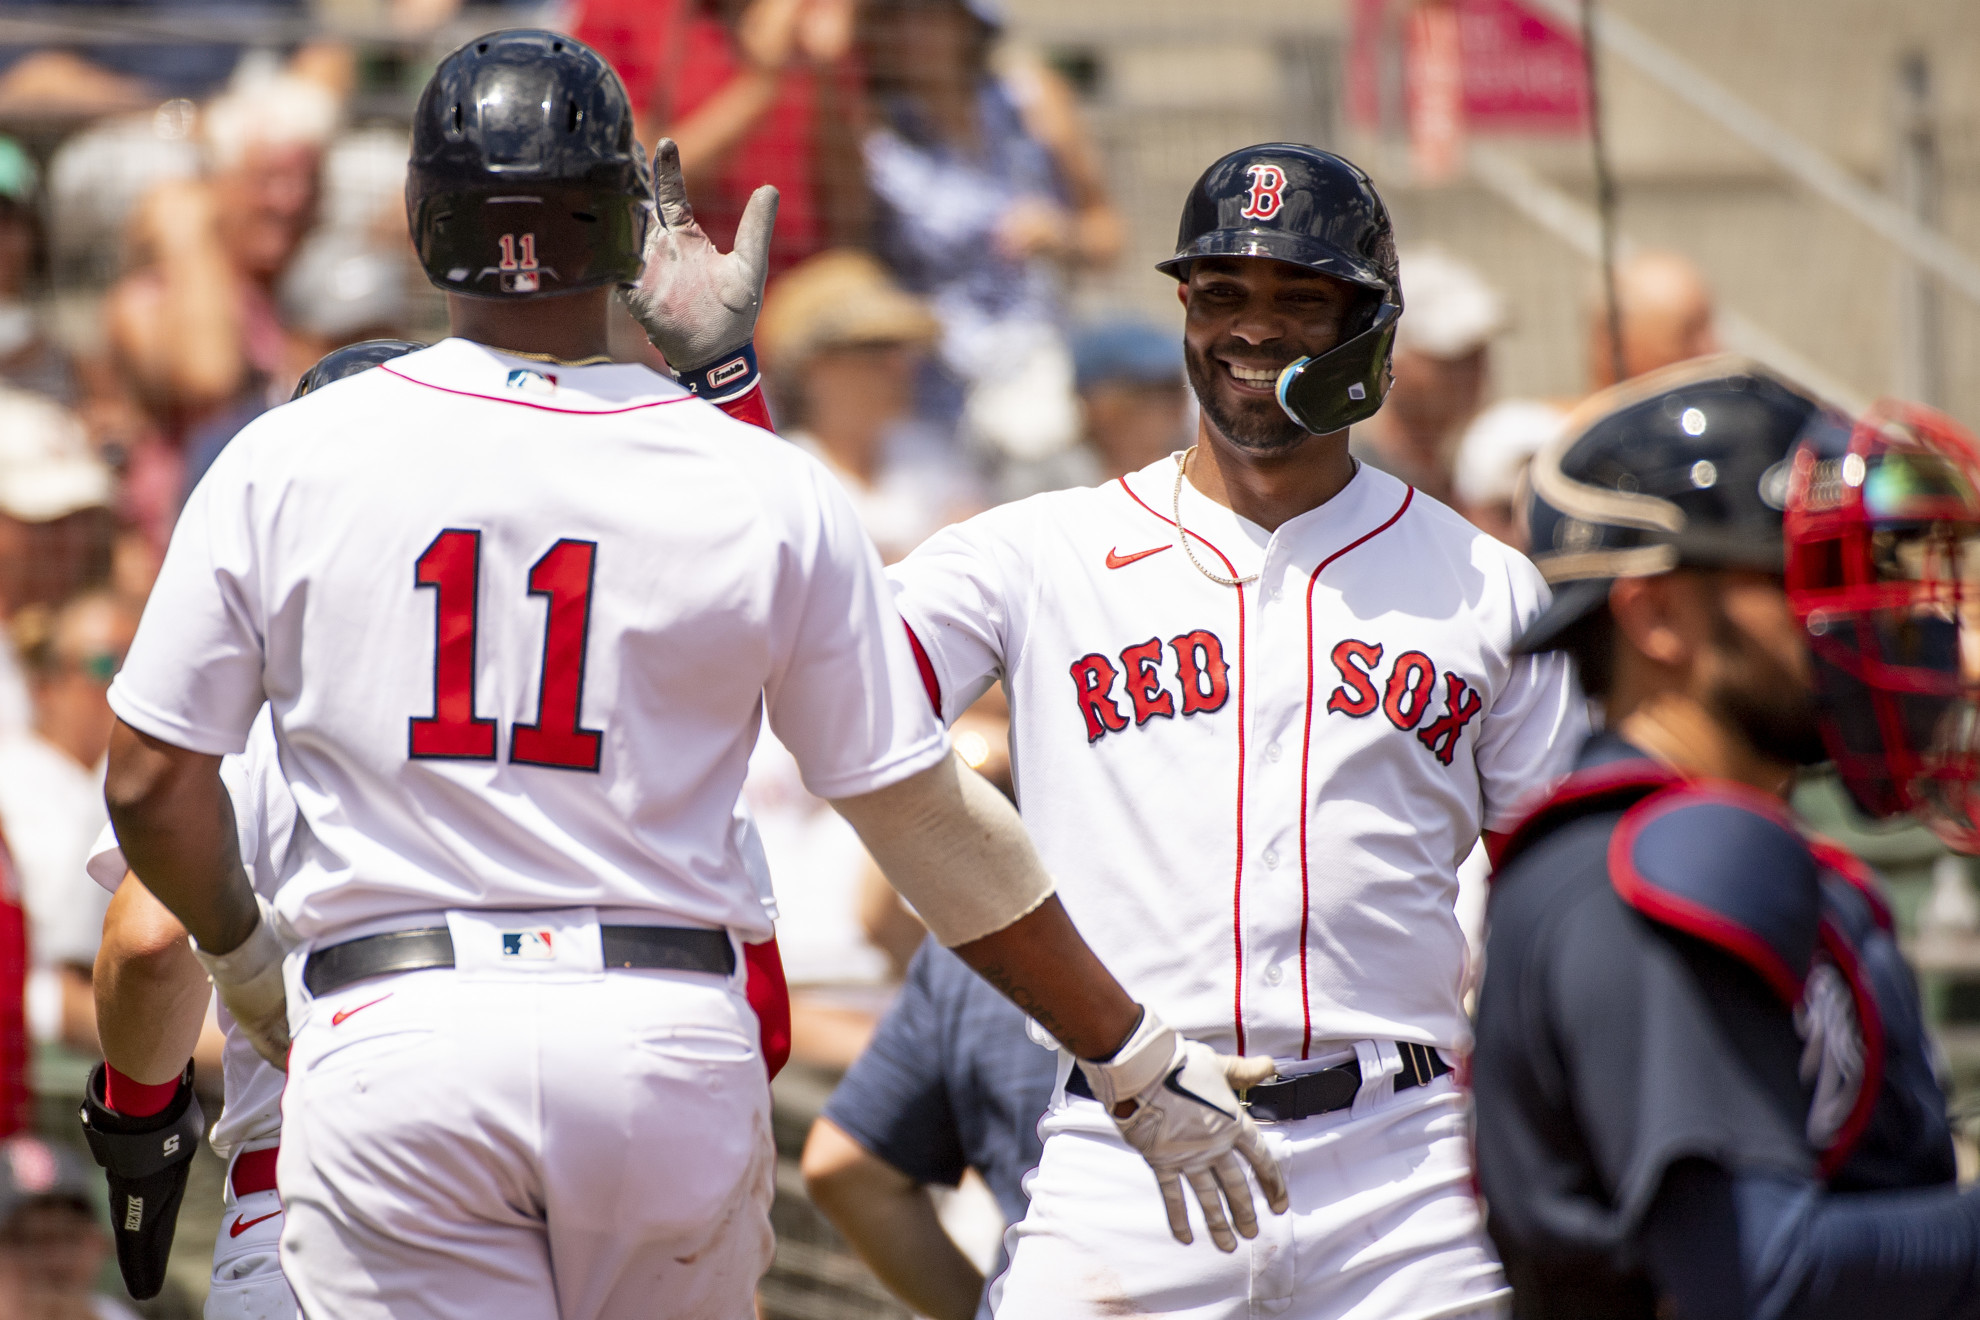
<point x="954" y="848"/>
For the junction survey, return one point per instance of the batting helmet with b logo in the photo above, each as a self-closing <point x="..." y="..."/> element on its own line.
<point x="1289" y="202"/>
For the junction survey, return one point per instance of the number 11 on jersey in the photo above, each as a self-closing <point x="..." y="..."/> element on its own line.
<point x="451" y="565"/>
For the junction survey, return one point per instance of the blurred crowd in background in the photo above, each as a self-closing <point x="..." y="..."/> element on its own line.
<point x="185" y="226"/>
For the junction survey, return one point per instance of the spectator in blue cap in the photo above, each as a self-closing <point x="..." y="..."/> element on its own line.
<point x="1133" y="401"/>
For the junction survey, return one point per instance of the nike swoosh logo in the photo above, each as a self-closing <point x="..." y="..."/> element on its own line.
<point x="243" y="1225"/>
<point x="1171" y="1084"/>
<point x="337" y="1018"/>
<point x="1115" y="559"/>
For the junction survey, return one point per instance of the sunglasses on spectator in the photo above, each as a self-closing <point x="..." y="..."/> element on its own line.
<point x="97" y="666"/>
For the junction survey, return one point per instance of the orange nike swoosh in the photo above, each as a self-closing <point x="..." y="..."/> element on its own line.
<point x="1115" y="559"/>
<point x="243" y="1225"/>
<point x="337" y="1018"/>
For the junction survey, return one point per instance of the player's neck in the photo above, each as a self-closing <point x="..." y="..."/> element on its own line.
<point x="1676" y="729"/>
<point x="569" y="328"/>
<point x="1269" y="489"/>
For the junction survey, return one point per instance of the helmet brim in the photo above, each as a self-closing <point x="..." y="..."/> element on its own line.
<point x="1278" y="245"/>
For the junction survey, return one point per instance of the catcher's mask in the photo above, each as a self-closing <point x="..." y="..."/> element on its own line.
<point x="1883" y="548"/>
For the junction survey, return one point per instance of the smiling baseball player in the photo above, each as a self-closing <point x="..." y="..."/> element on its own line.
<point x="1263" y="701"/>
<point x="517" y="613"/>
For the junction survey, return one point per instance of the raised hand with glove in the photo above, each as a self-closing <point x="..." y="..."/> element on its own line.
<point x="1174" y="1101"/>
<point x="696" y="303"/>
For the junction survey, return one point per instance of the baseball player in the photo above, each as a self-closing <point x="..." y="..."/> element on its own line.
<point x="151" y="1002"/>
<point x="1263" y="701"/>
<point x="1703" y="1083"/>
<point x="516" y="613"/>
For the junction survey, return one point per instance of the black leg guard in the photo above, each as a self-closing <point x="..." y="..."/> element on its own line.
<point x="147" y="1160"/>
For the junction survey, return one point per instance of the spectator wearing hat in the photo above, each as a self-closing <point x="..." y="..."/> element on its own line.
<point x="1133" y="399"/>
<point x="1441" y="366"/>
<point x="51" y="801"/>
<point x="56" y="526"/>
<point x="51" y="1248"/>
<point x="841" y="345"/>
<point x="1492" y="457"/>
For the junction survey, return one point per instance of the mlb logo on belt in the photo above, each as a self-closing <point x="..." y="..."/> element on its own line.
<point x="527" y="945"/>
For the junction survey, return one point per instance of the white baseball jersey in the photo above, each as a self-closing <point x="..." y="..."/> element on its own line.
<point x="517" y="624"/>
<point x="1254" y="799"/>
<point x="264" y="821"/>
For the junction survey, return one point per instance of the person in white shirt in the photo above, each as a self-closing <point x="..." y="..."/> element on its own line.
<point x="1263" y="701"/>
<point x="51" y="802"/>
<point x="517" y="614"/>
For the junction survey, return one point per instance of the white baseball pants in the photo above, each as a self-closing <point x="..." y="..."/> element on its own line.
<point x="1383" y="1225"/>
<point x="461" y="1144"/>
<point x="248" y="1283"/>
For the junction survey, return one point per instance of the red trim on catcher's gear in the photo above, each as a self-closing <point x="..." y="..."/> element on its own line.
<point x="1872" y="1025"/>
<point x="929" y="683"/>
<point x="1682" y="913"/>
<point x="1237" y="882"/>
<point x="1859" y="875"/>
<point x="768" y="993"/>
<point x="1306" y="757"/>
<point x="254" y="1171"/>
<point x="135" y="1099"/>
<point x="750" y="407"/>
<point x="1622" y="782"/>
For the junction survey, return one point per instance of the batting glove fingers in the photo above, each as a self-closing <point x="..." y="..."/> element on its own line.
<point x="1188" y="1125"/>
<point x="696" y="303"/>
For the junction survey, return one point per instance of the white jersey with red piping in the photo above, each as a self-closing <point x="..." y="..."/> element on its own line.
<point x="516" y="623"/>
<point x="1255" y="798"/>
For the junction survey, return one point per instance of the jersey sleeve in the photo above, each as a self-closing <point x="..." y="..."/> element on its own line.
<point x="846" y="698"/>
<point x="193" y="677"/>
<point x="1538" y="722"/>
<point x="956" y="595"/>
<point x="894" y="1100"/>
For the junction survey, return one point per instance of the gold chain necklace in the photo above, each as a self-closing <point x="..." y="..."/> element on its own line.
<point x="1182" y="533"/>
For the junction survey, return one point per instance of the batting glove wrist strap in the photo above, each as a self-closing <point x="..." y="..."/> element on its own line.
<point x="1151" y="1049"/>
<point x="146" y="1161"/>
<point x="249" y="982"/>
<point x="729" y="377"/>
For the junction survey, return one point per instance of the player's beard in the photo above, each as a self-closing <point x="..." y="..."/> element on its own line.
<point x="1258" y="425"/>
<point x="1773" y="708"/>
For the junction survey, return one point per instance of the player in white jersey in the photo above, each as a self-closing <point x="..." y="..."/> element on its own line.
<point x="517" y="613"/>
<point x="1263" y="702"/>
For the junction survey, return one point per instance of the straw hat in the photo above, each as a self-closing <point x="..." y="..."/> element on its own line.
<point x="838" y="299"/>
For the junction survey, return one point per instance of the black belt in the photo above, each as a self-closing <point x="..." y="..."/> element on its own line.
<point x="1323" y="1092"/>
<point x="650" y="948"/>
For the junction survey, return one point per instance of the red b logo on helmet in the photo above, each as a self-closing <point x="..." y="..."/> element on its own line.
<point x="1268" y="187"/>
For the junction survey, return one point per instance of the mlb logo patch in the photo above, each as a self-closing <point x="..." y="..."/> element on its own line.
<point x="527" y="945"/>
<point x="532" y="382"/>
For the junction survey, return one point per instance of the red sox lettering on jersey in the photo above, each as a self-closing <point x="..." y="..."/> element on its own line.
<point x="1255" y="798"/>
<point x="1405" y="696"/>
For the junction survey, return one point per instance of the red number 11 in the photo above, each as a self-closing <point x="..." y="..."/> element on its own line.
<point x="452" y="567"/>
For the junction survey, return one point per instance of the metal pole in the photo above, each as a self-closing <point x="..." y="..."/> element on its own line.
<point x="1605" y="193"/>
<point x="1919" y="372"/>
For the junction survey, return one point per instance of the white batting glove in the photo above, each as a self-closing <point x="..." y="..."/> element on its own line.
<point x="1187" y="1124"/>
<point x="698" y="305"/>
<point x="249" y="980"/>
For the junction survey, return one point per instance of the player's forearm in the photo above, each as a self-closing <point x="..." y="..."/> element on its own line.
<point x="953" y="846"/>
<point x="176" y="825"/>
<point x="890" y="1221"/>
<point x="151" y="993"/>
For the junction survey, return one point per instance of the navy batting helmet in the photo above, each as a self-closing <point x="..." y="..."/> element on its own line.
<point x="350" y="360"/>
<point x="1309" y="207"/>
<point x="525" y="178"/>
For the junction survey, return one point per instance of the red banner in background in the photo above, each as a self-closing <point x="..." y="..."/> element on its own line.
<point x="1518" y="71"/>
